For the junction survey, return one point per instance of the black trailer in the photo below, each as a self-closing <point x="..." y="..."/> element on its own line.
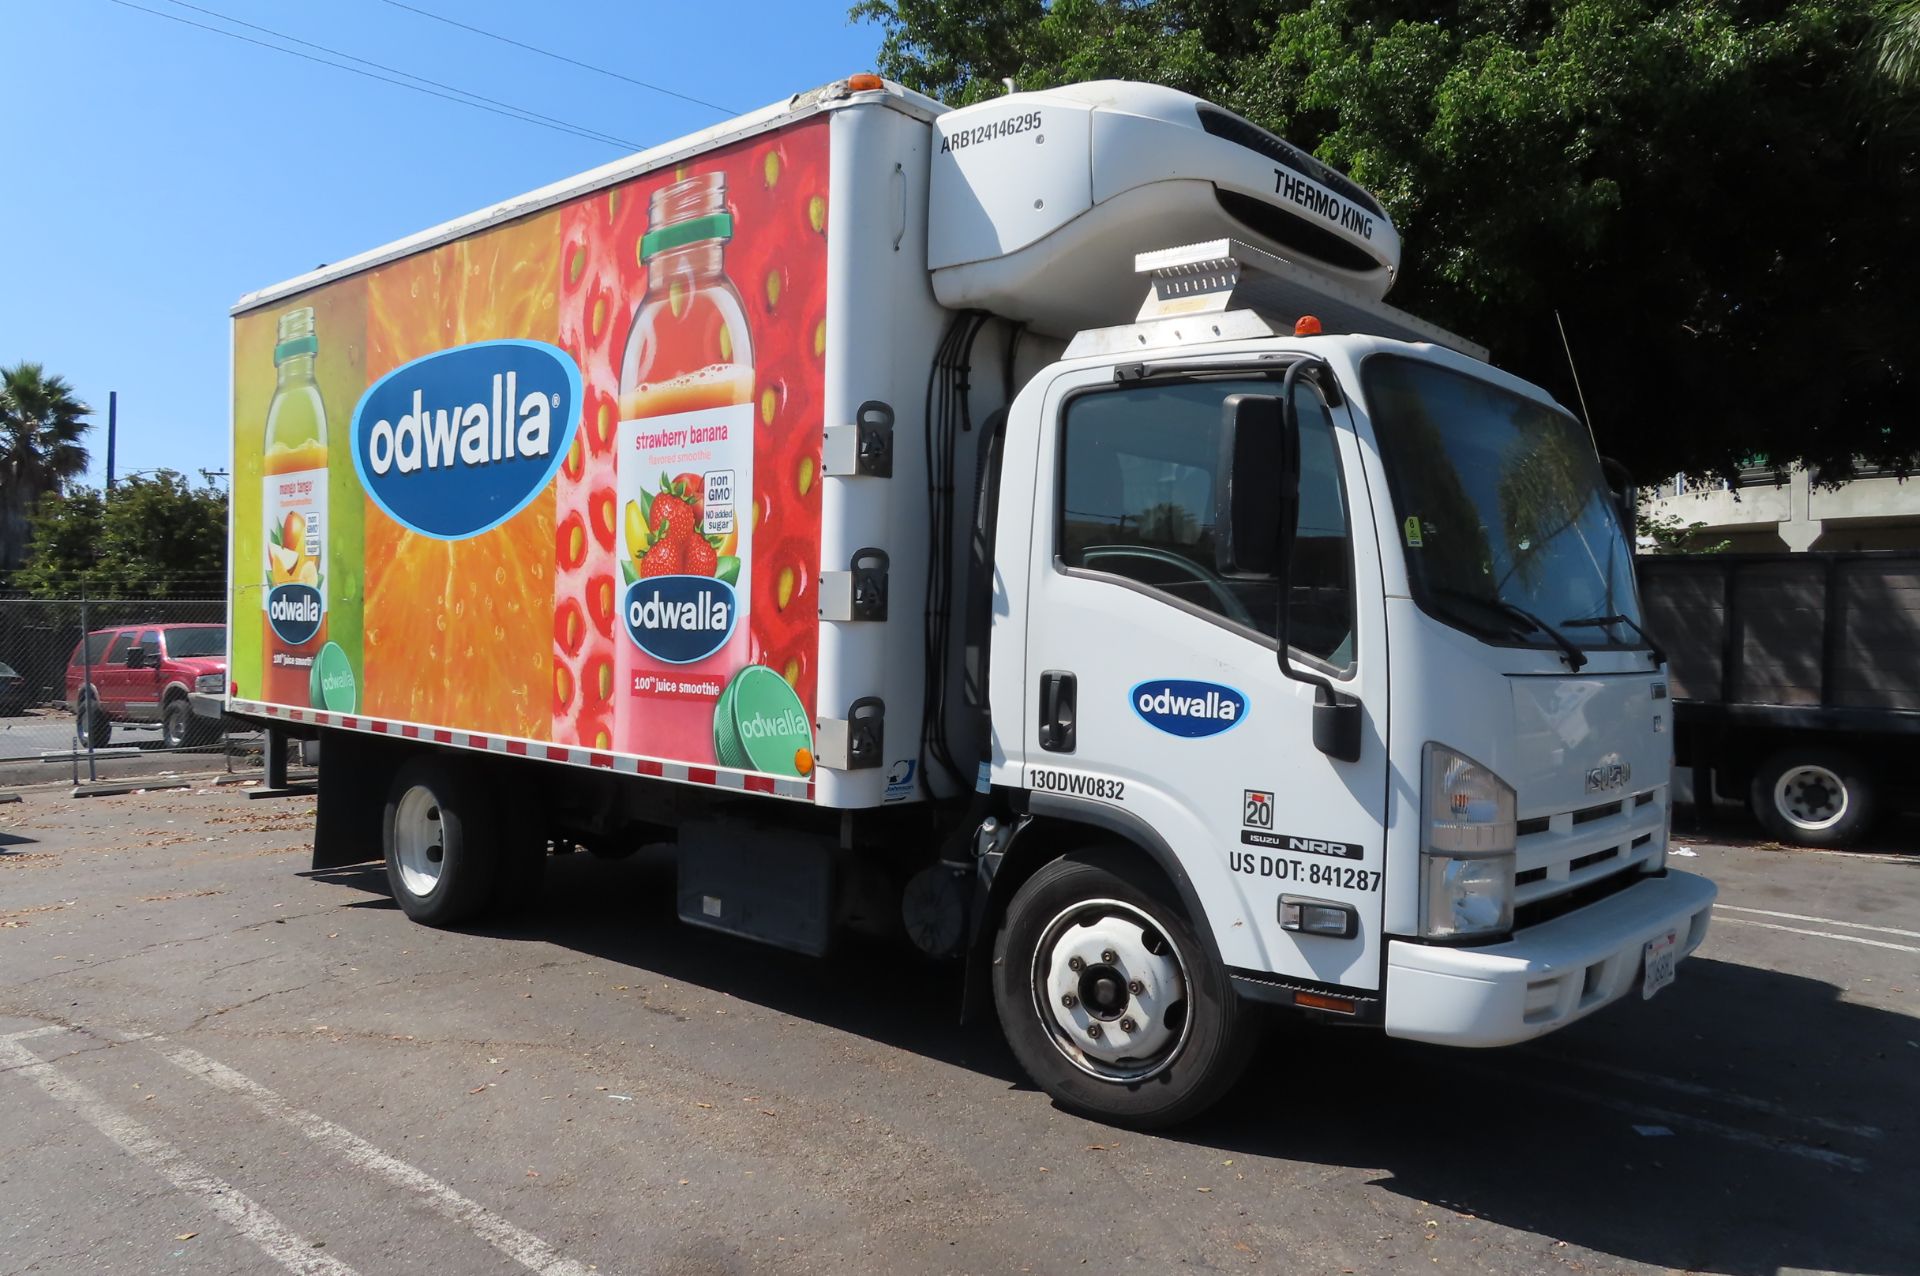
<point x="1795" y="682"/>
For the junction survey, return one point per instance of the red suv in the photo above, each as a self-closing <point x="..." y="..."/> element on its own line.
<point x="145" y="673"/>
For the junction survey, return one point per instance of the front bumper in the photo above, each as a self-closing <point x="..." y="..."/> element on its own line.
<point x="1545" y="977"/>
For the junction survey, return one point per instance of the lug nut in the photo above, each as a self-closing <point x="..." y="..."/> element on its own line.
<point x="1094" y="1031"/>
<point x="1074" y="963"/>
<point x="1135" y="987"/>
<point x="1069" y="1000"/>
<point x="1108" y="956"/>
<point x="1128" y="1025"/>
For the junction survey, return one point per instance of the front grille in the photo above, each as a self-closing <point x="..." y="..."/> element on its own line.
<point x="1568" y="853"/>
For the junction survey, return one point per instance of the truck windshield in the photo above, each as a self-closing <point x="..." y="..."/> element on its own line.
<point x="1507" y="526"/>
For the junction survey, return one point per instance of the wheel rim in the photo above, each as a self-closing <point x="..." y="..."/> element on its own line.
<point x="1111" y="988"/>
<point x="419" y="841"/>
<point x="176" y="726"/>
<point x="1811" y="797"/>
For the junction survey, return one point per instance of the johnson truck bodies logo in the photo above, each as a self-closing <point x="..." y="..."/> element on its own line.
<point x="454" y="444"/>
<point x="1188" y="709"/>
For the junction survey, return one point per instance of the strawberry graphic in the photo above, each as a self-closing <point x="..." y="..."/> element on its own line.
<point x="673" y="515"/>
<point x="664" y="559"/>
<point x="702" y="559"/>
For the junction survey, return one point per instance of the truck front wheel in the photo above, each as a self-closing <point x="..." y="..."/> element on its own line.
<point x="441" y="842"/>
<point x="1813" y="797"/>
<point x="1109" y="999"/>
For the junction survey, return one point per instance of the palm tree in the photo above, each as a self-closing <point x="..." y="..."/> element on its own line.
<point x="41" y="425"/>
<point x="1900" y="44"/>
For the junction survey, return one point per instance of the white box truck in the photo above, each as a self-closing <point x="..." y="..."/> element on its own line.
<point x="1022" y="529"/>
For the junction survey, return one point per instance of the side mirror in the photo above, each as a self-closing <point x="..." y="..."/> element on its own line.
<point x="1620" y="486"/>
<point x="136" y="657"/>
<point x="1253" y="487"/>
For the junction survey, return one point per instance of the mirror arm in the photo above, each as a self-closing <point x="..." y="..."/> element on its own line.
<point x="1336" y="715"/>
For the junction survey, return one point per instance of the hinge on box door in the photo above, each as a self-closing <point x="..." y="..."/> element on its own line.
<point x="863" y="449"/>
<point x="853" y="743"/>
<point x="860" y="592"/>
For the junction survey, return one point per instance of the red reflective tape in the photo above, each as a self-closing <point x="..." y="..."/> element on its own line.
<point x="599" y="759"/>
<point x="351" y="724"/>
<point x="556" y="754"/>
<point x="443" y="737"/>
<point x="760" y="784"/>
<point x="517" y="746"/>
<point x="410" y="732"/>
<point x="381" y="728"/>
<point x="647" y="766"/>
<point x="476" y="742"/>
<point x="702" y="775"/>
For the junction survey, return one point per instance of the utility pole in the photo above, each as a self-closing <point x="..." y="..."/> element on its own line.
<point x="113" y="424"/>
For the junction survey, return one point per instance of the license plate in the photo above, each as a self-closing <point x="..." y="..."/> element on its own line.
<point x="1662" y="955"/>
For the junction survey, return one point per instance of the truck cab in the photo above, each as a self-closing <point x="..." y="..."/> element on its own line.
<point x="1339" y="629"/>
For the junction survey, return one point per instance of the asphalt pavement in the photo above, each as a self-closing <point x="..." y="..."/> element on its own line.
<point x="213" y="1060"/>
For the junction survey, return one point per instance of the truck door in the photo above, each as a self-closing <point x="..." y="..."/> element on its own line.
<point x="1156" y="704"/>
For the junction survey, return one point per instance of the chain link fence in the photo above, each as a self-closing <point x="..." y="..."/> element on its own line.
<point x="101" y="689"/>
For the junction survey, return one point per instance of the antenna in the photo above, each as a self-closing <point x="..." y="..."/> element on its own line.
<point x="1573" y="368"/>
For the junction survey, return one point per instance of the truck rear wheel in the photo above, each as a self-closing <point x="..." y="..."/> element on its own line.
<point x="1813" y="797"/>
<point x="441" y="842"/>
<point x="1109" y="999"/>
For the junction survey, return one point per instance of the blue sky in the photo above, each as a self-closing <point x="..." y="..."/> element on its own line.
<point x="159" y="172"/>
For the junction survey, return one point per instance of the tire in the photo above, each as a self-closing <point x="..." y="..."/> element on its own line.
<point x="94" y="726"/>
<point x="176" y="724"/>
<point x="440" y="835"/>
<point x="1162" y="991"/>
<point x="1811" y="796"/>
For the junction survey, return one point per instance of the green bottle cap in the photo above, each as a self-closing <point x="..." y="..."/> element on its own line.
<point x="331" y="685"/>
<point x="759" y="724"/>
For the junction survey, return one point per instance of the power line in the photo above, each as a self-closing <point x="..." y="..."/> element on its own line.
<point x="474" y="100"/>
<point x="530" y="115"/>
<point x="561" y="57"/>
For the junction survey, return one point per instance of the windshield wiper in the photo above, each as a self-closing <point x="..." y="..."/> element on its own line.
<point x="1575" y="658"/>
<point x="1602" y="622"/>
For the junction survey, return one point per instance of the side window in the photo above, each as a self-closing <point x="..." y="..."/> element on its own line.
<point x="96" y="649"/>
<point x="151" y="641"/>
<point x="1136" y="501"/>
<point x="117" y="653"/>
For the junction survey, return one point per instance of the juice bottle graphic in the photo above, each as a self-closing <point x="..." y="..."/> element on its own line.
<point x="683" y="480"/>
<point x="294" y="504"/>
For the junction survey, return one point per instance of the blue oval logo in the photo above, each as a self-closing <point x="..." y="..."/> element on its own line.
<point x="456" y="443"/>
<point x="1188" y="709"/>
<point x="680" y="619"/>
<point x="294" y="611"/>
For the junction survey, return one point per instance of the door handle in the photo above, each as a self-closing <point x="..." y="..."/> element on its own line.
<point x="1057" y="699"/>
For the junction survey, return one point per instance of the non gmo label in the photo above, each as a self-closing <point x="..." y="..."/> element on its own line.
<point x="1188" y="709"/>
<point x="453" y="444"/>
<point x="680" y="619"/>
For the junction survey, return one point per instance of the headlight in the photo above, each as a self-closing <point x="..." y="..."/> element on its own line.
<point x="1466" y="850"/>
<point x="212" y="683"/>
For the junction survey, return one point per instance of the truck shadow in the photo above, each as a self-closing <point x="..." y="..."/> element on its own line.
<point x="1743" y="1122"/>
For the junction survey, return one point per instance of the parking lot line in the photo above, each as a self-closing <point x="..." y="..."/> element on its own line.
<point x="1824" y="921"/>
<point x="515" y="1242"/>
<point x="1700" y="1125"/>
<point x="239" y="1210"/>
<point x="1728" y="1097"/>
<point x="1823" y="934"/>
<point x="27" y="1034"/>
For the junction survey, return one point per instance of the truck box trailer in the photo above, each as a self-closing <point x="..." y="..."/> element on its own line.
<point x="1796" y="682"/>
<point x="1022" y="528"/>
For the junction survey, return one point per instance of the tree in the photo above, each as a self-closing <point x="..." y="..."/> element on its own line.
<point x="1693" y="185"/>
<point x="41" y="425"/>
<point x="1900" y="44"/>
<point x="154" y="537"/>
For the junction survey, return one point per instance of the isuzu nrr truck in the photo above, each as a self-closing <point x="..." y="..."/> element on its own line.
<point x="1021" y="529"/>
